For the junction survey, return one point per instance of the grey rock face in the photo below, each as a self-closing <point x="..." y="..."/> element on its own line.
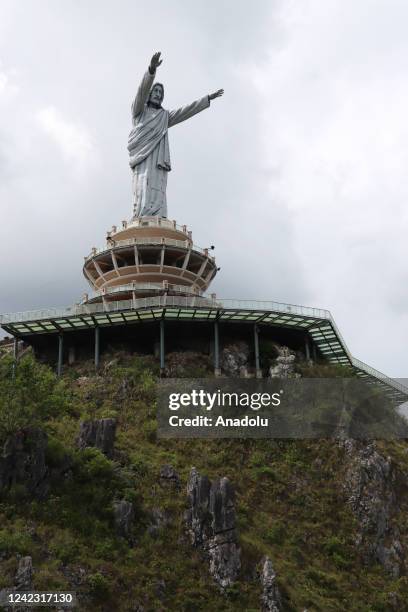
<point x="211" y="525"/>
<point x="284" y="366"/>
<point x="222" y="509"/>
<point x="270" y="598"/>
<point x="24" y="574"/>
<point x="225" y="560"/>
<point x="99" y="434"/>
<point x="234" y="359"/>
<point x="198" y="515"/>
<point x="23" y="581"/>
<point x="22" y="462"/>
<point x="159" y="519"/>
<point x="169" y="476"/>
<point x="370" y="485"/>
<point x="124" y="516"/>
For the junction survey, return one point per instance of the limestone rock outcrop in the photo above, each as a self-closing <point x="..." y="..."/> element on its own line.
<point x="234" y="359"/>
<point x="159" y="519"/>
<point x="169" y="476"/>
<point x="270" y="598"/>
<point x="22" y="462"/>
<point x="211" y="526"/>
<point x="24" y="575"/>
<point x="124" y="516"/>
<point x="370" y="486"/>
<point x="23" y="581"/>
<point x="100" y="434"/>
<point x="284" y="366"/>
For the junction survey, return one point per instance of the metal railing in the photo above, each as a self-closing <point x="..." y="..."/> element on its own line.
<point x="157" y="301"/>
<point x="201" y="302"/>
<point x="379" y="375"/>
<point x="150" y="222"/>
<point x="184" y="244"/>
<point x="144" y="287"/>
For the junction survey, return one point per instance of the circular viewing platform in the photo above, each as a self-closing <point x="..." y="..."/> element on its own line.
<point x="149" y="256"/>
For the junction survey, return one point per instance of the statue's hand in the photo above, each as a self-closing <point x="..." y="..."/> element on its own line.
<point x="216" y="94"/>
<point x="155" y="62"/>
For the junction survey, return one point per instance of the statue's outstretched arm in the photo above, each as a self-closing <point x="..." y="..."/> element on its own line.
<point x="145" y="86"/>
<point x="185" y="112"/>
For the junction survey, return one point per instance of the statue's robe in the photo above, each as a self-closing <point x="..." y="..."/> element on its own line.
<point x="149" y="149"/>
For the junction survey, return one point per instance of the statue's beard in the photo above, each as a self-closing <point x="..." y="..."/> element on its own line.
<point x="154" y="104"/>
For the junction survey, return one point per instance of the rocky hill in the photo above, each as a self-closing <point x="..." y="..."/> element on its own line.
<point x="91" y="501"/>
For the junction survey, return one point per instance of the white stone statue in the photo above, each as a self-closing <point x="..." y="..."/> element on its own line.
<point x="149" y="145"/>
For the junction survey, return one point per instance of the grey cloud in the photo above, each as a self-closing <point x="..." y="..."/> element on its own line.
<point x="238" y="175"/>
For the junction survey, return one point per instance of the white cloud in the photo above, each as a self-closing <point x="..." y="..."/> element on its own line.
<point x="8" y="86"/>
<point x="73" y="140"/>
<point x="3" y="82"/>
<point x="336" y="129"/>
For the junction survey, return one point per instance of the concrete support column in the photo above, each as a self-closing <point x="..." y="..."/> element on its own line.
<point x="97" y="347"/>
<point x="258" y="371"/>
<point x="162" y="346"/>
<point x="71" y="355"/>
<point x="60" y="354"/>
<point x="314" y="352"/>
<point x="307" y="349"/>
<point x="217" y="369"/>
<point x="15" y="356"/>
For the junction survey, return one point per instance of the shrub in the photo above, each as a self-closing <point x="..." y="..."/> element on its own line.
<point x="31" y="397"/>
<point x="276" y="534"/>
<point x="13" y="542"/>
<point x="336" y="549"/>
<point x="95" y="465"/>
<point x="99" y="586"/>
<point x="55" y="453"/>
<point x="65" y="546"/>
<point x="265" y="471"/>
<point x="257" y="459"/>
<point x="149" y="429"/>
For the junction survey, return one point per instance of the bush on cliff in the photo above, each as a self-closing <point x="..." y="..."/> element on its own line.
<point x="30" y="396"/>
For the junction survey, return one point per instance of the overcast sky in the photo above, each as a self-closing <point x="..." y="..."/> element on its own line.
<point x="298" y="174"/>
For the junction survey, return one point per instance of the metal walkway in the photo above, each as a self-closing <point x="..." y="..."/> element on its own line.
<point x="318" y="323"/>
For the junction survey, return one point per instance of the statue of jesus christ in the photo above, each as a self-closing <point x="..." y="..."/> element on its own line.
<point x="149" y="145"/>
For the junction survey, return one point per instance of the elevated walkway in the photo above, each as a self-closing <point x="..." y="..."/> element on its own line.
<point x="320" y="332"/>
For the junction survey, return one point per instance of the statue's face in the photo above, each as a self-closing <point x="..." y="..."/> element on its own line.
<point x="157" y="95"/>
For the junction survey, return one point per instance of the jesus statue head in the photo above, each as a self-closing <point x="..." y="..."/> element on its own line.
<point x="156" y="95"/>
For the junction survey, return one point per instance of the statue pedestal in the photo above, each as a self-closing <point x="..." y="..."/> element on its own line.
<point x="146" y="257"/>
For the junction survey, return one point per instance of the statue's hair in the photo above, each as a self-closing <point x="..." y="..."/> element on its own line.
<point x="153" y="86"/>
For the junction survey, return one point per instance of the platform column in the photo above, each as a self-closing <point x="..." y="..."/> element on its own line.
<point x="97" y="347"/>
<point x="258" y="371"/>
<point x="15" y="355"/>
<point x="307" y="349"/>
<point x="217" y="369"/>
<point x="162" y="346"/>
<point x="60" y="354"/>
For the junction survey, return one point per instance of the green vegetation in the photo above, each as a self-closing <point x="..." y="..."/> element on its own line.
<point x="290" y="504"/>
<point x="31" y="397"/>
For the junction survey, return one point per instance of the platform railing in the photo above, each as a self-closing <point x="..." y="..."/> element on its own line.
<point x="167" y="301"/>
<point x="184" y="244"/>
<point x="143" y="287"/>
<point x="379" y="375"/>
<point x="322" y="316"/>
<point x="152" y="222"/>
